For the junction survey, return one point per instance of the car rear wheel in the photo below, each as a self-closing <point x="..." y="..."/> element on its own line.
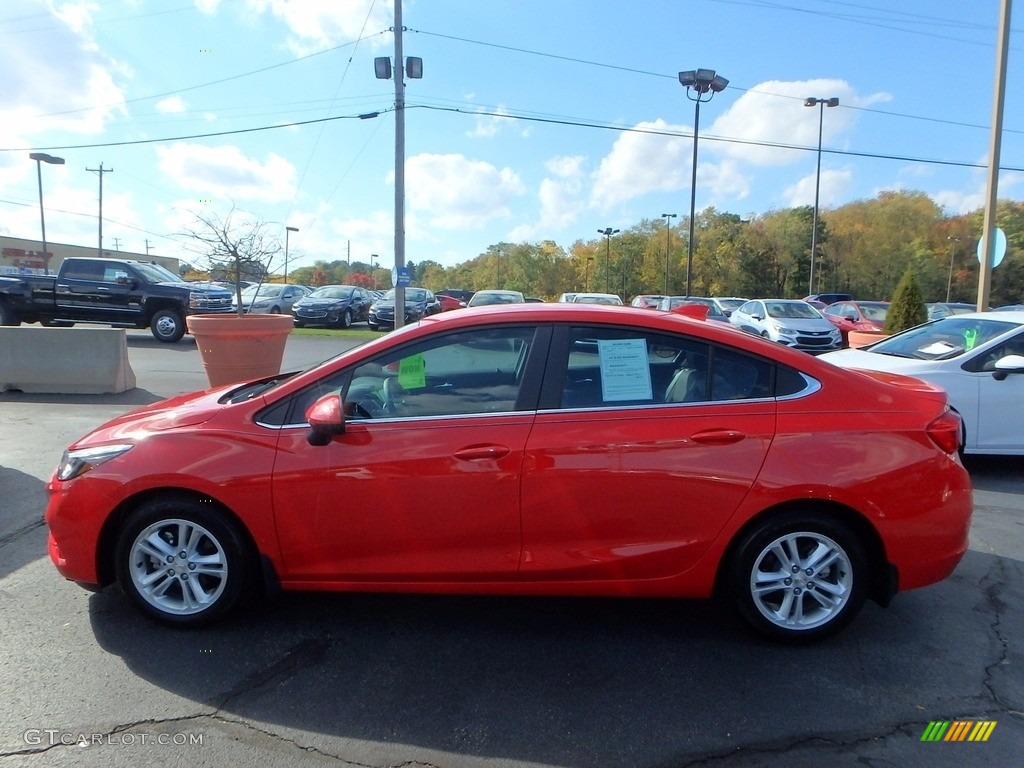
<point x="182" y="562"/>
<point x="799" y="578"/>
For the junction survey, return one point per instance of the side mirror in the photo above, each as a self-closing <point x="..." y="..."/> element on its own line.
<point x="326" y="419"/>
<point x="1007" y="365"/>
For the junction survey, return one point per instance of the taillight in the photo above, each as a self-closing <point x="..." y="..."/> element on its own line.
<point x="945" y="431"/>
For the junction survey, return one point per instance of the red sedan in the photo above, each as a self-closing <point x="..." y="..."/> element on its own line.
<point x="792" y="487"/>
<point x="867" y="316"/>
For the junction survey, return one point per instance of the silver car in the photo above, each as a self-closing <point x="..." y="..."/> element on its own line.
<point x="270" y="298"/>
<point x="792" y="322"/>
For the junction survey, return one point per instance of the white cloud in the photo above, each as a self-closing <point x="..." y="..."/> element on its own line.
<point x="455" y="192"/>
<point x="318" y="24"/>
<point x="68" y="86"/>
<point x="561" y="200"/>
<point x="225" y="173"/>
<point x="759" y="115"/>
<point x="833" y="187"/>
<point x="171" y="105"/>
<point x="641" y="162"/>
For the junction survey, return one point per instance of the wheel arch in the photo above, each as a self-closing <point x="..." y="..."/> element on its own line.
<point x="107" y="545"/>
<point x="883" y="582"/>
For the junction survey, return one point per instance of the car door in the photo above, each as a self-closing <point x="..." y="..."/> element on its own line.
<point x="423" y="486"/>
<point x="644" y="446"/>
<point x="999" y="416"/>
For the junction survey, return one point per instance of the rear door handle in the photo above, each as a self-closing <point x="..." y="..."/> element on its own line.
<point x="718" y="436"/>
<point x="478" y="452"/>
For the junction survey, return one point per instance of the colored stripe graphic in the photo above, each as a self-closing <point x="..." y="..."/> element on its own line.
<point x="935" y="731"/>
<point x="958" y="730"/>
<point x="982" y="730"/>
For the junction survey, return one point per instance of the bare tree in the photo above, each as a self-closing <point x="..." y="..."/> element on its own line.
<point x="238" y="247"/>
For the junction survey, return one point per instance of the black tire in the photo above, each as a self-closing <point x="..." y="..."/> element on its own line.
<point x="56" y="324"/>
<point x="275" y="310"/>
<point x="167" y="325"/>
<point x="346" y="319"/>
<point x="825" y="583"/>
<point x="171" y="584"/>
<point x="8" y="316"/>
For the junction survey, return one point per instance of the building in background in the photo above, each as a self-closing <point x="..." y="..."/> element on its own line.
<point x="19" y="256"/>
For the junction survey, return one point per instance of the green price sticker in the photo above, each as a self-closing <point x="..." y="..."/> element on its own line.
<point x="412" y="372"/>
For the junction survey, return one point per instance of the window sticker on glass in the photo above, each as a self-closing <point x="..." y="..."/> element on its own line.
<point x="412" y="372"/>
<point x="625" y="372"/>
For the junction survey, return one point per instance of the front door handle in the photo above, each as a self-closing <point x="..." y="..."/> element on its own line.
<point x="478" y="452"/>
<point x="718" y="436"/>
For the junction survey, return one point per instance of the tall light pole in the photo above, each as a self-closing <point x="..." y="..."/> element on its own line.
<point x="374" y="276"/>
<point x="287" y="231"/>
<point x="702" y="82"/>
<point x="952" y="254"/>
<point x="820" y="104"/>
<point x="40" y="158"/>
<point x="412" y="67"/>
<point x="586" y="279"/>
<point x="668" y="243"/>
<point x="607" y="232"/>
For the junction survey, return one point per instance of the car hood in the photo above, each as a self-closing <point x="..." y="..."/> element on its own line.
<point x="803" y="324"/>
<point x="873" y="361"/>
<point x="320" y="302"/>
<point x="181" y="411"/>
<point x="205" y="288"/>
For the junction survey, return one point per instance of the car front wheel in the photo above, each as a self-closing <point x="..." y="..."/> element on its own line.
<point x="799" y="578"/>
<point x="167" y="326"/>
<point x="182" y="562"/>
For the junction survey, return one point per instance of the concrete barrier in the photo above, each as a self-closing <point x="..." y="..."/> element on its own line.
<point x="66" y="361"/>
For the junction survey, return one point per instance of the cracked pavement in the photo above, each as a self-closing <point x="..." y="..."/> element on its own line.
<point x="378" y="680"/>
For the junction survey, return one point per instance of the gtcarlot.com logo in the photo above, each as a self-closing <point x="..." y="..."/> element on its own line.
<point x="958" y="730"/>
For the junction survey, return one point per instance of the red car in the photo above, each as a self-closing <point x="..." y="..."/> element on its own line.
<point x="849" y="316"/>
<point x="792" y="487"/>
<point x="449" y="302"/>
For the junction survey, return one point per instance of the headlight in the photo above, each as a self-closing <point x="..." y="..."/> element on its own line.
<point x="194" y="299"/>
<point x="786" y="331"/>
<point x="75" y="463"/>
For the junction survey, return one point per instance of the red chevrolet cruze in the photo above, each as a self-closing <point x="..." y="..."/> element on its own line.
<point x="788" y="486"/>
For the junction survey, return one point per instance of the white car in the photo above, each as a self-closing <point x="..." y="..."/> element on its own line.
<point x="978" y="358"/>
<point x="792" y="322"/>
<point x="597" y="298"/>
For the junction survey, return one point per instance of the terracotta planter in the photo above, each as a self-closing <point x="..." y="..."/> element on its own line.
<point x="237" y="348"/>
<point x="862" y="338"/>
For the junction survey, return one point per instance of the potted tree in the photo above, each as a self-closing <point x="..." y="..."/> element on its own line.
<point x="238" y="346"/>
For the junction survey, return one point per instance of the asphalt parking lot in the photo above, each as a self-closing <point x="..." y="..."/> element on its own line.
<point x="374" y="680"/>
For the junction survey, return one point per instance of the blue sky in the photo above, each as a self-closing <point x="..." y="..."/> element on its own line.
<point x="534" y="120"/>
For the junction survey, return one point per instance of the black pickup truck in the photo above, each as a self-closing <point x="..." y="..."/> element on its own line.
<point x="125" y="294"/>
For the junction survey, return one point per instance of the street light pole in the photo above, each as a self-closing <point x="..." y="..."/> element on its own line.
<point x="287" y="231"/>
<point x="700" y="82"/>
<point x="607" y="232"/>
<point x="668" y="243"/>
<point x="40" y="158"/>
<point x="820" y="104"/>
<point x="373" y="275"/>
<point x="949" y="281"/>
<point x="586" y="279"/>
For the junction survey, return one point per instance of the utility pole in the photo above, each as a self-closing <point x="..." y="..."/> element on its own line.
<point x="117" y="243"/>
<point x="147" y="246"/>
<point x="100" y="171"/>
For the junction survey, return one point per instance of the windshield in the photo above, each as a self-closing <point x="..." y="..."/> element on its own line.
<point x="157" y="274"/>
<point x="261" y="290"/>
<point x="332" y="292"/>
<point x="799" y="310"/>
<point x="411" y="294"/>
<point x="944" y="339"/>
